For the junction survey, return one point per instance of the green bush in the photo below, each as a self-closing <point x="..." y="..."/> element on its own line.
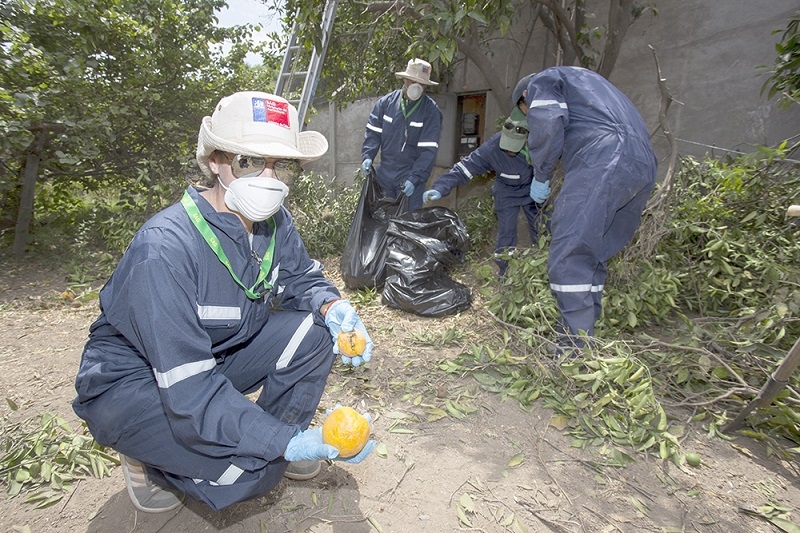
<point x="323" y="212"/>
<point x="477" y="213"/>
<point x="729" y="241"/>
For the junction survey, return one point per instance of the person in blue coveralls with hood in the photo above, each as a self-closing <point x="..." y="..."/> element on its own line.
<point x="404" y="126"/>
<point x="578" y="117"/>
<point x="216" y="298"/>
<point x="505" y="154"/>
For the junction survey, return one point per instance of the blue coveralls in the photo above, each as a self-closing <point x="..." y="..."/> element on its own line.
<point x="577" y="116"/>
<point x="511" y="189"/>
<point x="178" y="344"/>
<point x="408" y="145"/>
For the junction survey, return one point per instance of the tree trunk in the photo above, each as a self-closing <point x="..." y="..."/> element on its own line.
<point x="30" y="173"/>
<point x="620" y="18"/>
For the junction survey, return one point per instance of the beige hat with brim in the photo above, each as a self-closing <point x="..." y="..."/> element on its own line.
<point x="419" y="71"/>
<point x="258" y="124"/>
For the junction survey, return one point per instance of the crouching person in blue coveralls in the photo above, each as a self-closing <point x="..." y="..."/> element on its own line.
<point x="215" y="298"/>
<point x="505" y="154"/>
<point x="577" y="116"/>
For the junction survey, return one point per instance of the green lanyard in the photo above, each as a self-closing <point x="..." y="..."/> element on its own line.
<point x="525" y="151"/>
<point x="207" y="233"/>
<point x="405" y="116"/>
<point x="413" y="108"/>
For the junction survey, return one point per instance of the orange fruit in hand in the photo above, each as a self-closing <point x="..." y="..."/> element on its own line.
<point x="351" y="343"/>
<point x="347" y="430"/>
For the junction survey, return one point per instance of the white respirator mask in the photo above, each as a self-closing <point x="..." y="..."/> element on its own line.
<point x="255" y="198"/>
<point x="414" y="91"/>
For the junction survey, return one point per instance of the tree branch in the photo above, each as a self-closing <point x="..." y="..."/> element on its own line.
<point x="564" y="21"/>
<point x="666" y="99"/>
<point x="620" y="18"/>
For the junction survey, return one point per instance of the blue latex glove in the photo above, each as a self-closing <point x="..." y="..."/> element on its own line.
<point x="342" y="317"/>
<point x="308" y="446"/>
<point x="431" y="196"/>
<point x="408" y="188"/>
<point x="366" y="165"/>
<point x="540" y="191"/>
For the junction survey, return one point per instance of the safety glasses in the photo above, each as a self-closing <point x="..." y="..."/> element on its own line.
<point x="246" y="166"/>
<point x="511" y="128"/>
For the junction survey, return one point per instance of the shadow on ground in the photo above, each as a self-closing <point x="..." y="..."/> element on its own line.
<point x="332" y="498"/>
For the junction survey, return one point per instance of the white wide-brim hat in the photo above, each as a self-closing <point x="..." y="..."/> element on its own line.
<point x="419" y="71"/>
<point x="259" y="124"/>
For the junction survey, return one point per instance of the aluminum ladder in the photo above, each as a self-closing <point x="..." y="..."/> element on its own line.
<point x="291" y="63"/>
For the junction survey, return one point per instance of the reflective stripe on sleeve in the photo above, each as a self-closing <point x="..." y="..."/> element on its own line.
<point x="510" y="176"/>
<point x="428" y="145"/>
<point x="545" y="103"/>
<point x="464" y="169"/>
<point x="387" y="118"/>
<point x="169" y="378"/>
<point x="374" y="128"/>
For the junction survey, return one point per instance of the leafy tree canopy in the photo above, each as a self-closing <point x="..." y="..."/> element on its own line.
<point x="784" y="79"/>
<point x="374" y="39"/>
<point x="122" y="84"/>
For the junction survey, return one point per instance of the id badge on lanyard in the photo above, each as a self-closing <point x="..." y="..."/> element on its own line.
<point x="405" y="118"/>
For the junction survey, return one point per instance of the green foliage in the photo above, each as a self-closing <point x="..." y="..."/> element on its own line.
<point x="647" y="297"/>
<point x="82" y="225"/>
<point x="323" y="212"/>
<point x="524" y="299"/>
<point x="477" y="213"/>
<point x="717" y="371"/>
<point x="729" y="241"/>
<point x="44" y="457"/>
<point x="376" y="40"/>
<point x="600" y="400"/>
<point x="373" y="40"/>
<point x="368" y="296"/>
<point x="784" y="75"/>
<point x="123" y="101"/>
<point x="439" y="337"/>
<point x="620" y="395"/>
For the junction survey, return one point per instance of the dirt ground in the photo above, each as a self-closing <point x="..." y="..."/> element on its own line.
<point x="499" y="469"/>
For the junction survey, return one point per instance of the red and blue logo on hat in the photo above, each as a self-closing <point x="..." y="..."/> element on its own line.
<point x="271" y="111"/>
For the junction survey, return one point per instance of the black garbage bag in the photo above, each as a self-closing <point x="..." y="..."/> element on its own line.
<point x="423" y="245"/>
<point x="363" y="261"/>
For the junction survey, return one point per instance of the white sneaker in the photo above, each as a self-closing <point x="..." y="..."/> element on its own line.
<point x="146" y="495"/>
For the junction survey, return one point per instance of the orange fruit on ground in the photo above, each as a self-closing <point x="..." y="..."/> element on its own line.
<point x="351" y="343"/>
<point x="347" y="430"/>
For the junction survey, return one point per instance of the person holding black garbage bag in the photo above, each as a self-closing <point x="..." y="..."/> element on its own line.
<point x="404" y="126"/>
